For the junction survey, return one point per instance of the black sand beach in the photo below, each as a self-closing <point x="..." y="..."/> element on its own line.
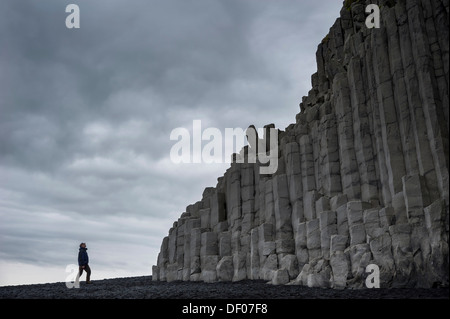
<point x="145" y="288"/>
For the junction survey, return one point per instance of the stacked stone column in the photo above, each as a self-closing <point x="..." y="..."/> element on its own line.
<point x="362" y="175"/>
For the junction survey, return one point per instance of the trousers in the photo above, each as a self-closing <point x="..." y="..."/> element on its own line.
<point x="88" y="272"/>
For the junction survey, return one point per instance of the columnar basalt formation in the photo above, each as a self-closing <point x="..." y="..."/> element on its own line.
<point x="362" y="175"/>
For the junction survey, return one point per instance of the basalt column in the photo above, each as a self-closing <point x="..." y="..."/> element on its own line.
<point x="362" y="173"/>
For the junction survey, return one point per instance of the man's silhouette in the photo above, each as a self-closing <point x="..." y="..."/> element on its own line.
<point x="83" y="263"/>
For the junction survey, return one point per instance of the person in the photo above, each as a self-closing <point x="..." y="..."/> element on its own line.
<point x="83" y="263"/>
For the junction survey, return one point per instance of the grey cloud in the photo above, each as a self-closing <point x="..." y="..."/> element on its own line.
<point x="86" y="115"/>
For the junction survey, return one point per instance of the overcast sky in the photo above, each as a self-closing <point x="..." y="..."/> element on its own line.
<point x="86" y="115"/>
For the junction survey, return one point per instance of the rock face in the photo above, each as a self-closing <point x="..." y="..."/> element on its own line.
<point x="362" y="175"/>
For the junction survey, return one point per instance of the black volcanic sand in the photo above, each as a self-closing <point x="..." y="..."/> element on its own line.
<point x="145" y="288"/>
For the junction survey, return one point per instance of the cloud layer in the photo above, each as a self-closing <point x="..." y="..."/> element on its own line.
<point x="86" y="116"/>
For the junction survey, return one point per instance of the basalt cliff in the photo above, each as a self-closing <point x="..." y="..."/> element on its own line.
<point x="362" y="175"/>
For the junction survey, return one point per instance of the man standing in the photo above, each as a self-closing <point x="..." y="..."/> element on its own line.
<point x="83" y="263"/>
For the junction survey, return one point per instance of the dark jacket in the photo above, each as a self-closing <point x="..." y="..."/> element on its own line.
<point x="83" y="258"/>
